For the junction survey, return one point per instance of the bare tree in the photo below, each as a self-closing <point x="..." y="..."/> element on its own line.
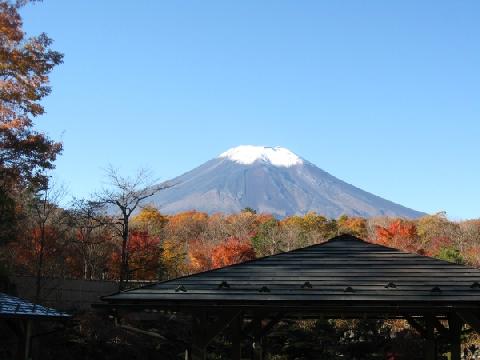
<point x="123" y="196"/>
<point x="90" y="237"/>
<point x="46" y="211"/>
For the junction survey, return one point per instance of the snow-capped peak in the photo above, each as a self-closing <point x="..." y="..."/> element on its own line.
<point x="248" y="154"/>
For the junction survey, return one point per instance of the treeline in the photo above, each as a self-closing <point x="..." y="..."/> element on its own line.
<point x="79" y="243"/>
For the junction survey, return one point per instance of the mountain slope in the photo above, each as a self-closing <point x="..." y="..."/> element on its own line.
<point x="271" y="180"/>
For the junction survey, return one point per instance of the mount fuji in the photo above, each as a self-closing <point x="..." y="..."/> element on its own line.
<point x="270" y="180"/>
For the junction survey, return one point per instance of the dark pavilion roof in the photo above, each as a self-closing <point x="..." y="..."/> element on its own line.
<point x="343" y="270"/>
<point x="14" y="307"/>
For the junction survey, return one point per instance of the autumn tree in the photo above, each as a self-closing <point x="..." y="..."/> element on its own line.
<point x="183" y="230"/>
<point x="144" y="253"/>
<point x="373" y="223"/>
<point x="173" y="259"/>
<point x="206" y="256"/>
<point x="355" y="226"/>
<point x="91" y="240"/>
<point x="40" y="249"/>
<point x="8" y="216"/>
<point x="294" y="234"/>
<point x="122" y="198"/>
<point x="400" y="234"/>
<point x="436" y="231"/>
<point x="200" y="255"/>
<point x="242" y="225"/>
<point x="232" y="251"/>
<point x="269" y="239"/>
<point x="216" y="229"/>
<point x="469" y="242"/>
<point x="150" y="220"/>
<point x="314" y="228"/>
<point x="25" y="65"/>
<point x="319" y="226"/>
<point x="147" y="244"/>
<point x="185" y="226"/>
<point x="249" y="210"/>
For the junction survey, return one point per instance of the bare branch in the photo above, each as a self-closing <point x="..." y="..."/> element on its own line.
<point x="122" y="196"/>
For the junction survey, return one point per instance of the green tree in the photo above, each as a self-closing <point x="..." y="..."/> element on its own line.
<point x="450" y="254"/>
<point x="268" y="240"/>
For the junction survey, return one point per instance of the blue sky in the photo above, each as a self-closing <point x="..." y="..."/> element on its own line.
<point x="384" y="95"/>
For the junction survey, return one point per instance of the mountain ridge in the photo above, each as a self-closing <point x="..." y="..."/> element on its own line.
<point x="271" y="180"/>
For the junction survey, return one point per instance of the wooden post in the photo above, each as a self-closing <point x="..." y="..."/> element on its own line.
<point x="471" y="319"/>
<point x="204" y="331"/>
<point x="28" y="338"/>
<point x="236" y="326"/>
<point x="257" y="340"/>
<point x="430" y="353"/>
<point x="455" y="325"/>
<point x="257" y="349"/>
<point x="198" y="351"/>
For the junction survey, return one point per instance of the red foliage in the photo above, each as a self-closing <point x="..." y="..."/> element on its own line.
<point x="400" y="234"/>
<point x="144" y="257"/>
<point x="437" y="243"/>
<point x="205" y="256"/>
<point x="200" y="255"/>
<point x="472" y="255"/>
<point x="28" y="250"/>
<point x="232" y="251"/>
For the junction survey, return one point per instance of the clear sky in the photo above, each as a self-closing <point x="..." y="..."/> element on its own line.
<point x="382" y="94"/>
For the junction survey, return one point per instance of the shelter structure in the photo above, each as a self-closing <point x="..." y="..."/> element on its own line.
<point x="19" y="316"/>
<point x="344" y="277"/>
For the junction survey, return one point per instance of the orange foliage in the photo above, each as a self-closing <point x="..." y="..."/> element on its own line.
<point x="199" y="254"/>
<point x="187" y="225"/>
<point x="353" y="225"/>
<point x="264" y="218"/>
<point x="400" y="234"/>
<point x="24" y="82"/>
<point x="205" y="256"/>
<point x="173" y="259"/>
<point x="232" y="251"/>
<point x="192" y="218"/>
<point x="149" y="219"/>
<point x="472" y="255"/>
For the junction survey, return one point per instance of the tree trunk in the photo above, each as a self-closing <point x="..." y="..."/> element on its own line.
<point x="455" y="326"/>
<point x="124" y="258"/>
<point x="430" y="351"/>
<point x="39" y="275"/>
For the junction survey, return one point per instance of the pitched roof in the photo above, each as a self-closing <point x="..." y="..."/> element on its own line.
<point x="14" y="307"/>
<point x="343" y="269"/>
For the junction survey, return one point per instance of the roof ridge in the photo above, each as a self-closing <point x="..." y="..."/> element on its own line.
<point x="345" y="236"/>
<point x="335" y="238"/>
<point x="338" y="238"/>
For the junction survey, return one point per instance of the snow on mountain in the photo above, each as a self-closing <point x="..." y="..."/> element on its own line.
<point x="248" y="154"/>
<point x="271" y="180"/>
